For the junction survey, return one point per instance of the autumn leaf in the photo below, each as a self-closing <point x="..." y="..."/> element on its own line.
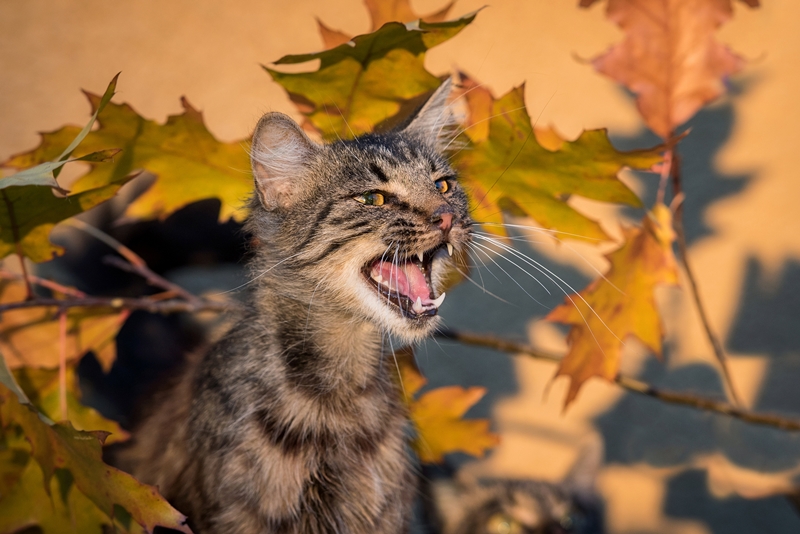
<point x="364" y="82"/>
<point x="505" y="166"/>
<point x="620" y="304"/>
<point x="669" y="57"/>
<point x="438" y="416"/>
<point x="381" y="12"/>
<point x="30" y="336"/>
<point x="31" y="212"/>
<point x="42" y="388"/>
<point x="189" y="162"/>
<point x="91" y="492"/>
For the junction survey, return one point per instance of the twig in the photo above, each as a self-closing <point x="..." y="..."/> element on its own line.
<point x="95" y="232"/>
<point x="632" y="384"/>
<point x="716" y="345"/>
<point x="119" y="303"/>
<point x="62" y="364"/>
<point x="151" y="277"/>
<point x="49" y="284"/>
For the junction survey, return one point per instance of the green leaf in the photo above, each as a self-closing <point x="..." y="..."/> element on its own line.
<point x="71" y="468"/>
<point x="30" y="212"/>
<point x="359" y="85"/>
<point x="189" y="162"/>
<point x="505" y="167"/>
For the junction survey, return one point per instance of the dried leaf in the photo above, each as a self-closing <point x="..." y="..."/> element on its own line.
<point x="438" y="416"/>
<point x="365" y="82"/>
<point x="30" y="337"/>
<point x="505" y="167"/>
<point x="189" y="162"/>
<point x="73" y="458"/>
<point x="619" y="305"/>
<point x="669" y="57"/>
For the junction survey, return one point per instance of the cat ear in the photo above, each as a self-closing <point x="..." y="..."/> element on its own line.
<point x="279" y="155"/>
<point x="435" y="122"/>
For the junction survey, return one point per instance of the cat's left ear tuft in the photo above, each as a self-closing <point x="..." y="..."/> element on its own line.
<point x="435" y="122"/>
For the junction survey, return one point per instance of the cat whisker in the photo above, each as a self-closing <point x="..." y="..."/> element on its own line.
<point x="256" y="277"/>
<point x="511" y="277"/>
<point x="483" y="288"/>
<point x="550" y="276"/>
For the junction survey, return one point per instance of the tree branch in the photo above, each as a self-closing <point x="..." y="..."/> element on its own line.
<point x="118" y="303"/>
<point x="632" y="384"/>
<point x="716" y="345"/>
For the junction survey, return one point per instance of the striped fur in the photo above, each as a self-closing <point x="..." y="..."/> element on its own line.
<point x="292" y="423"/>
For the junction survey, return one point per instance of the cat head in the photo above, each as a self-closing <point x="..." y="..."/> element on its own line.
<point x="367" y="226"/>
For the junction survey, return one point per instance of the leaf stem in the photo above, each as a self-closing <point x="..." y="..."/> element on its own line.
<point x="716" y="345"/>
<point x="631" y="384"/>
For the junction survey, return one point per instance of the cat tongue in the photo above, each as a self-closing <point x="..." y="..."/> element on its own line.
<point x="407" y="278"/>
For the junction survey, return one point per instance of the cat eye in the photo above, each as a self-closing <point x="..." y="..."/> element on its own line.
<point x="371" y="199"/>
<point x="441" y="185"/>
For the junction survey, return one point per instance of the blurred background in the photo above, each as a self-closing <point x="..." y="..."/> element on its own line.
<point x="667" y="469"/>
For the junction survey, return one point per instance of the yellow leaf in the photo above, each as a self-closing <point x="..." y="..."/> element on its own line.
<point x="362" y="84"/>
<point x="619" y="305"/>
<point x="505" y="167"/>
<point x="438" y="416"/>
<point x="30" y="336"/>
<point x="189" y="162"/>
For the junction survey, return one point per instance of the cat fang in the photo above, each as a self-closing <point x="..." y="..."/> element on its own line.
<point x="406" y="284"/>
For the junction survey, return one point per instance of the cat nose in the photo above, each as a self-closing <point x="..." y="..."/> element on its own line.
<point x="443" y="218"/>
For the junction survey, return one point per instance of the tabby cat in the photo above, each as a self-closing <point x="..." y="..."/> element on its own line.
<point x="292" y="422"/>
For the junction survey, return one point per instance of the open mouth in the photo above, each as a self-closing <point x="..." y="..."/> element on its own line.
<point x="405" y="283"/>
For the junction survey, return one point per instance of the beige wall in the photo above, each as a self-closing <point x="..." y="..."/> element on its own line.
<point x="741" y="175"/>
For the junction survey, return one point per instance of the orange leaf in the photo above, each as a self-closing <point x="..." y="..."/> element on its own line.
<point x="619" y="305"/>
<point x="669" y="57"/>
<point x="438" y="416"/>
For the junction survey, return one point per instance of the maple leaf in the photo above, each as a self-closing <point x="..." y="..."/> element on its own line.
<point x="505" y="166"/>
<point x="669" y="57"/>
<point x="189" y="162"/>
<point x="30" y="336"/>
<point x="69" y="461"/>
<point x="438" y="416"/>
<point x="367" y="80"/>
<point x="381" y="12"/>
<point x="620" y="304"/>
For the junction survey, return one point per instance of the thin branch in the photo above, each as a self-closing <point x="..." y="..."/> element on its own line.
<point x="151" y="277"/>
<point x="97" y="233"/>
<point x="43" y="282"/>
<point x="118" y="303"/>
<point x="632" y="384"/>
<point x="716" y="345"/>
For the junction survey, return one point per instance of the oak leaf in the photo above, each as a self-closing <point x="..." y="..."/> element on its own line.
<point x="190" y="164"/>
<point x="381" y="12"/>
<point x="620" y="304"/>
<point x="68" y="466"/>
<point x="669" y="57"/>
<point x="30" y="336"/>
<point x="505" y="166"/>
<point x="438" y="416"/>
<point x="367" y="80"/>
<point x="41" y="386"/>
